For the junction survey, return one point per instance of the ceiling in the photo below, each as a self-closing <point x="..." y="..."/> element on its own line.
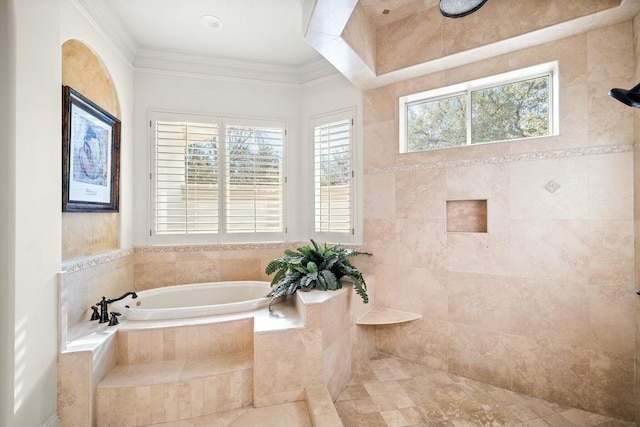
<point x="253" y="34"/>
<point x="267" y="32"/>
<point x="395" y="9"/>
<point x="258" y="36"/>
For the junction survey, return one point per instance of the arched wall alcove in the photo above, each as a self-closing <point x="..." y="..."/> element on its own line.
<point x="88" y="233"/>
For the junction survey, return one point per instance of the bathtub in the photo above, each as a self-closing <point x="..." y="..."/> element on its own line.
<point x="194" y="300"/>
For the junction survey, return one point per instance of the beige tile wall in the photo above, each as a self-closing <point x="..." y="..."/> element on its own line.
<point x="544" y="302"/>
<point x="174" y="265"/>
<point x="84" y="282"/>
<point x="636" y="45"/>
<point x="192" y="342"/>
<point x="423" y="36"/>
<point x="329" y="350"/>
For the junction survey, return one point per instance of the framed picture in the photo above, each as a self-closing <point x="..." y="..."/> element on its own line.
<point x="90" y="155"/>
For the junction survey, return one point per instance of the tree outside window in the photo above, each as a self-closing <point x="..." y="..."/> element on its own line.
<point x="514" y="110"/>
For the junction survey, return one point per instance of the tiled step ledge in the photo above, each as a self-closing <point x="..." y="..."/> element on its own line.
<point x="322" y="411"/>
<point x="167" y="391"/>
<point x="387" y="316"/>
<point x="170" y="371"/>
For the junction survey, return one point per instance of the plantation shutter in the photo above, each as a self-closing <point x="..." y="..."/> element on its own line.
<point x="254" y="179"/>
<point x="333" y="174"/>
<point x="186" y="178"/>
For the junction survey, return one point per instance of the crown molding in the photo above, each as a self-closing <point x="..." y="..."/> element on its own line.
<point x="146" y="59"/>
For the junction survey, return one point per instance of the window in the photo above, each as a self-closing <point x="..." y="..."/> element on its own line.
<point x="216" y="179"/>
<point x="254" y="179"/>
<point x="333" y="176"/>
<point x="515" y="105"/>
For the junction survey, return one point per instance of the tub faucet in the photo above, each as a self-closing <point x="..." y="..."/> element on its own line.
<point x="133" y="295"/>
<point x="104" y="302"/>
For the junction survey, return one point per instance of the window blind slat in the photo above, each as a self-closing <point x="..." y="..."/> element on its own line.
<point x="186" y="178"/>
<point x="189" y="164"/>
<point x="332" y="163"/>
<point x="254" y="201"/>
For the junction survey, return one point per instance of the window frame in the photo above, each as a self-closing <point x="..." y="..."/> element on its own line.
<point x="223" y="236"/>
<point x="350" y="236"/>
<point x="547" y="69"/>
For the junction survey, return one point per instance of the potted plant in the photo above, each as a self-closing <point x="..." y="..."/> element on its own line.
<point x="314" y="267"/>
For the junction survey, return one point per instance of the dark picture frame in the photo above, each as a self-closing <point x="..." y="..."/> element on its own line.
<point x="90" y="155"/>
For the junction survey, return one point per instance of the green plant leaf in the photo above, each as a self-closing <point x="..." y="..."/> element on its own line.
<point x="330" y="279"/>
<point x="322" y="284"/>
<point x="314" y="266"/>
<point x="306" y="284"/>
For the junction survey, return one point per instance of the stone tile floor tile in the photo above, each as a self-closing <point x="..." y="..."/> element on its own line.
<point x="287" y="414"/>
<point x="391" y="392"/>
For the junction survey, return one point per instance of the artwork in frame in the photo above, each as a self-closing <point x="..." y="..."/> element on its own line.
<point x="90" y="155"/>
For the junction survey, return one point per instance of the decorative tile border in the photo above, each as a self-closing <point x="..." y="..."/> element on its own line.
<point x="95" y="260"/>
<point x="524" y="157"/>
<point x="221" y="247"/>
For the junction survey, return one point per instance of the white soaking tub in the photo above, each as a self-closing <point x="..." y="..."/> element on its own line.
<point x="194" y="300"/>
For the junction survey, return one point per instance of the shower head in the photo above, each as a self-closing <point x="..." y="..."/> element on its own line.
<point x="630" y="97"/>
<point x="459" y="8"/>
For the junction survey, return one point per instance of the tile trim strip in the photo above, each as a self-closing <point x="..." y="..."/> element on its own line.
<point x="95" y="260"/>
<point x="213" y="247"/>
<point x="524" y="157"/>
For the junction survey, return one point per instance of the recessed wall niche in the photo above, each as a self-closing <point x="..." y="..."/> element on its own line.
<point x="88" y="233"/>
<point x="467" y="216"/>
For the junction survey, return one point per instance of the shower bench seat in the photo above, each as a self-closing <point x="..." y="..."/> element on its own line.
<point x="387" y="316"/>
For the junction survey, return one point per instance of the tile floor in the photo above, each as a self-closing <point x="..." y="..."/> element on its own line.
<point x="286" y="415"/>
<point x="391" y="392"/>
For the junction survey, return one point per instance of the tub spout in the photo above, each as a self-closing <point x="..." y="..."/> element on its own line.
<point x="133" y="295"/>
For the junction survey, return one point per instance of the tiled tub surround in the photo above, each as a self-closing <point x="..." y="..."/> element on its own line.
<point x="84" y="281"/>
<point x="543" y="303"/>
<point x="310" y="339"/>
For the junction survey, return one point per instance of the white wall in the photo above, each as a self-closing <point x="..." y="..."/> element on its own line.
<point x="328" y="96"/>
<point x="7" y="195"/>
<point x="191" y="93"/>
<point x="31" y="209"/>
<point x="30" y="212"/>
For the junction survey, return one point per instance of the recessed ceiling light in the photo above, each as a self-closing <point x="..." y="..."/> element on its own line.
<point x="211" y="22"/>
